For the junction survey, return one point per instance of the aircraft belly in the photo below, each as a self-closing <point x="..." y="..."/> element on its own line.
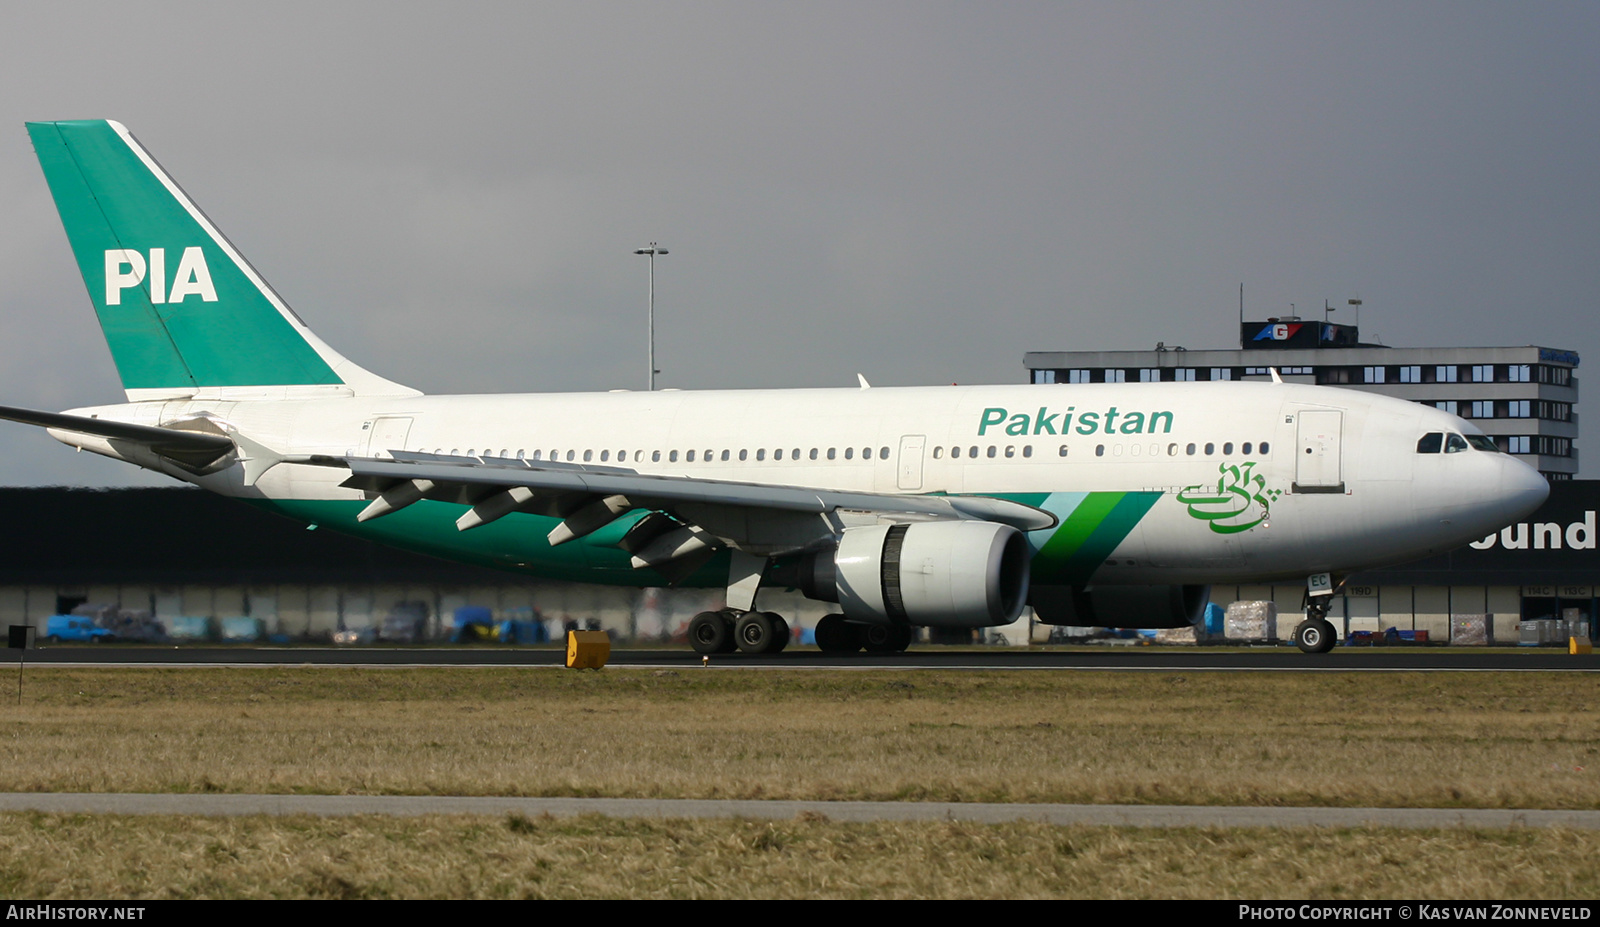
<point x="516" y="542"/>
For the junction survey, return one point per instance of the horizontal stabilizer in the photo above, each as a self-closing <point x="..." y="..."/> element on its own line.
<point x="191" y="448"/>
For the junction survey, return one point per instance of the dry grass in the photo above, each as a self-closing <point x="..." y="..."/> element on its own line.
<point x="1440" y="740"/>
<point x="75" y="856"/>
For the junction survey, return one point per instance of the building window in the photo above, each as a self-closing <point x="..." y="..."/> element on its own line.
<point x="1558" y="376"/>
<point x="1447" y="405"/>
<point x="1519" y="408"/>
<point x="1519" y="373"/>
<point x="1079" y="376"/>
<point x="1411" y="374"/>
<point x="1554" y="447"/>
<point x="1555" y="411"/>
<point x="1483" y="373"/>
<point x="1221" y="373"/>
<point x="1445" y="373"/>
<point x="1372" y="374"/>
<point x="1184" y="374"/>
<point x="1519" y="444"/>
<point x="1116" y="376"/>
<point x="1044" y="376"/>
<point x="1150" y="375"/>
<point x="1482" y="408"/>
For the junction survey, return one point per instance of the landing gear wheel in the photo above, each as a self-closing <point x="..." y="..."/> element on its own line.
<point x="756" y="632"/>
<point x="835" y="636"/>
<point x="711" y="632"/>
<point x="781" y="634"/>
<point x="1314" y="635"/>
<point x="885" y="638"/>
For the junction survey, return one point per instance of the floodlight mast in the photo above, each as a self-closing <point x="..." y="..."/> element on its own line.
<point x="652" y="251"/>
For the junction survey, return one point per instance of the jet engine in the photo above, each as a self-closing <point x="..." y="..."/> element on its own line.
<point x="1120" y="606"/>
<point x="954" y="574"/>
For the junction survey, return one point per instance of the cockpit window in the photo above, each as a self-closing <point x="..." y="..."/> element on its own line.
<point x="1454" y="444"/>
<point x="1431" y="443"/>
<point x="1483" y="444"/>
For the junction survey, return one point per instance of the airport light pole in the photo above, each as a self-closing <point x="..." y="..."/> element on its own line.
<point x="652" y="251"/>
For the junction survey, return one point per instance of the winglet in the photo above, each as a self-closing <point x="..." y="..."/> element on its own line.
<point x="864" y="383"/>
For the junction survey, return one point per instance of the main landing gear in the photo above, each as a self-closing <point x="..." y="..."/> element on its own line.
<point x="1316" y="634"/>
<point x="835" y="635"/>
<point x="730" y="629"/>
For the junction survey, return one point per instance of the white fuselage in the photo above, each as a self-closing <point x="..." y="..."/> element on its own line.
<point x="1359" y="498"/>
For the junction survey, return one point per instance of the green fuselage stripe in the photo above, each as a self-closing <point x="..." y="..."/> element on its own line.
<point x="517" y="542"/>
<point x="1089" y="535"/>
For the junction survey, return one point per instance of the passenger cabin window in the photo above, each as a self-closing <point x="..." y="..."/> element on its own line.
<point x="1431" y="443"/>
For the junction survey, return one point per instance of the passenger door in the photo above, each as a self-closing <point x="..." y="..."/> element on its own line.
<point x="910" y="474"/>
<point x="1317" y="451"/>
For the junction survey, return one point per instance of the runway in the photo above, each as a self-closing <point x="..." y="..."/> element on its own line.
<point x="1129" y="659"/>
<point x="977" y="812"/>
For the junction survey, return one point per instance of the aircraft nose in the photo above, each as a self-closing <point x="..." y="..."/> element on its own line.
<point x="1521" y="490"/>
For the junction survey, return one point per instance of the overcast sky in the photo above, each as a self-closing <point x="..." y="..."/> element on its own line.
<point x="920" y="192"/>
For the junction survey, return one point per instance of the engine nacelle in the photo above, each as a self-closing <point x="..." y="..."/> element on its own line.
<point x="1120" y="606"/>
<point x="952" y="574"/>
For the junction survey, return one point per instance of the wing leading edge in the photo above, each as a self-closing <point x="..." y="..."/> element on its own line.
<point x="688" y="518"/>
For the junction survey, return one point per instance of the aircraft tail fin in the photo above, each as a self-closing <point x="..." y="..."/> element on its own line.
<point x="182" y="310"/>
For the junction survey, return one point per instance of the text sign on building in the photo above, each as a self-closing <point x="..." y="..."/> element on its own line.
<point x="1297" y="334"/>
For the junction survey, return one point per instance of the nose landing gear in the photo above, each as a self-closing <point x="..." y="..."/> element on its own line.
<point x="1316" y="633"/>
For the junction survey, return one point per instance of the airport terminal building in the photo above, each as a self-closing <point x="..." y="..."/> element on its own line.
<point x="1524" y="397"/>
<point x="185" y="553"/>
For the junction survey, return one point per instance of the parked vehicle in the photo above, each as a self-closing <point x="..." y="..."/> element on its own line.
<point x="58" y="628"/>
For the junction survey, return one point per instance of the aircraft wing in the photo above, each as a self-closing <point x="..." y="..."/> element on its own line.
<point x="688" y="517"/>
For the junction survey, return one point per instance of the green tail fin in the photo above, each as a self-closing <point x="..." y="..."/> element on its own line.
<point x="181" y="309"/>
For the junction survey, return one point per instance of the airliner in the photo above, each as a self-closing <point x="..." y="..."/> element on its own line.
<point x="1113" y="504"/>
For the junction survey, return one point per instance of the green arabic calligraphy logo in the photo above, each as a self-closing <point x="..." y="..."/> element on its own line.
<point x="1229" y="507"/>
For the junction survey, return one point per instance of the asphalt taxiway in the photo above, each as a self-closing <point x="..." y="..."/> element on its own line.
<point x="1133" y="659"/>
<point x="979" y="812"/>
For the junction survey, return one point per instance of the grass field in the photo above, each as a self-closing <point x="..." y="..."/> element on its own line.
<point x="1427" y="739"/>
<point x="77" y="856"/>
<point x="1434" y="739"/>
